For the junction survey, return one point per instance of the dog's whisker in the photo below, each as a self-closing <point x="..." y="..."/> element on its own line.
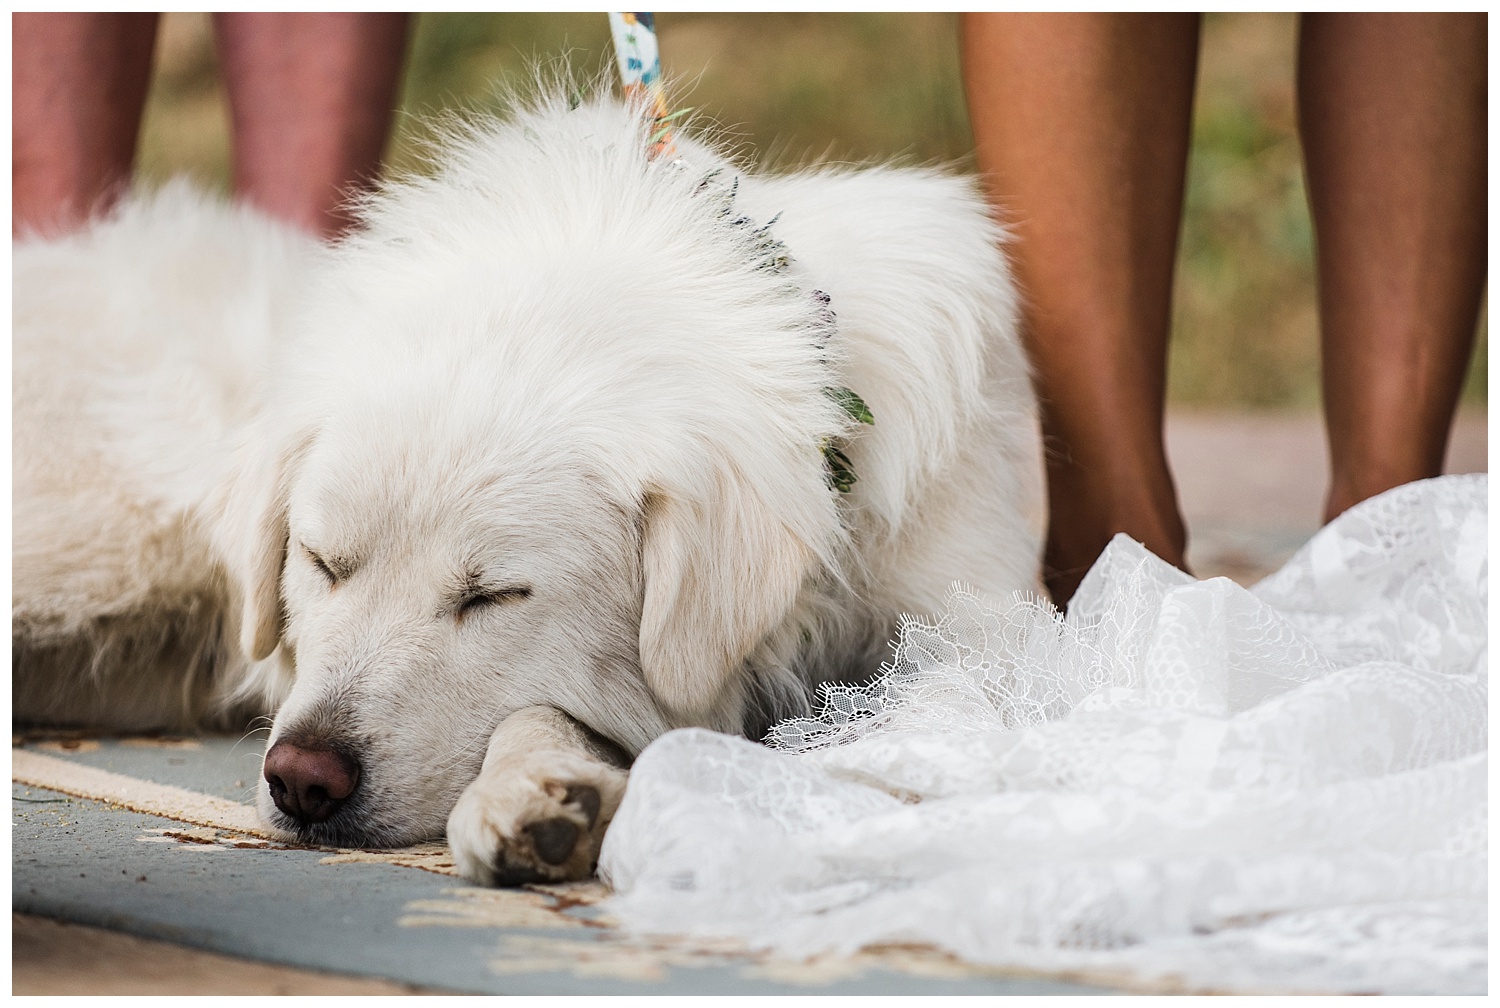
<point x="252" y="731"/>
<point x="463" y="755"/>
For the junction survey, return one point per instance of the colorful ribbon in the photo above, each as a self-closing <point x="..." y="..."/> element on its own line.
<point x="640" y="74"/>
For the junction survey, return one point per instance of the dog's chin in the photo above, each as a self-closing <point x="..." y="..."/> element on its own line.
<point x="353" y="825"/>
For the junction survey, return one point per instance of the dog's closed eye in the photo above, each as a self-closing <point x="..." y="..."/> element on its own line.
<point x="333" y="570"/>
<point x="478" y="600"/>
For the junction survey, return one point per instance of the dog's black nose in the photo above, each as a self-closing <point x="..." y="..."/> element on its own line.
<point x="309" y="784"/>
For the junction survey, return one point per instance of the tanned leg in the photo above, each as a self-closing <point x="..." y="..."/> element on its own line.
<point x="1393" y="128"/>
<point x="311" y="99"/>
<point x="1081" y="123"/>
<point x="78" y="87"/>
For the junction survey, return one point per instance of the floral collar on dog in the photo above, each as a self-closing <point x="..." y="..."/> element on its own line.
<point x="773" y="256"/>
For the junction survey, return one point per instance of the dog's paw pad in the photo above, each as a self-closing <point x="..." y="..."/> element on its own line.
<point x="554" y="839"/>
<point x="586" y="797"/>
<point x="518" y="824"/>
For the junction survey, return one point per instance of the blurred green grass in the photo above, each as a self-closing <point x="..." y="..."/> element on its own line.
<point x="793" y="87"/>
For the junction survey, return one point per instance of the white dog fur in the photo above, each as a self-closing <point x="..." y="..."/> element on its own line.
<point x="522" y="475"/>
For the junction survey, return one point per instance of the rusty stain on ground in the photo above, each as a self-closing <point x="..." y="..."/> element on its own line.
<point x="498" y="908"/>
<point x="614" y="955"/>
<point x="596" y="949"/>
<point x="82" y="740"/>
<point x="68" y="745"/>
<point x="568" y="895"/>
<point x="433" y="857"/>
<point x="617" y="956"/>
<point x="209" y="838"/>
<point x="593" y="959"/>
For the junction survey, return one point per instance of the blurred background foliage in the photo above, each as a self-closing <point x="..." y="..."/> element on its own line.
<point x="793" y="87"/>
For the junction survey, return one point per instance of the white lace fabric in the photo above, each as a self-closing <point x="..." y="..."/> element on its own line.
<point x="1277" y="789"/>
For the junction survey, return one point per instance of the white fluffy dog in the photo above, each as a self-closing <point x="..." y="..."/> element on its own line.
<point x="549" y="458"/>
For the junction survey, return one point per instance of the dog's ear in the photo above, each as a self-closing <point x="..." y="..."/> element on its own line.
<point x="252" y="539"/>
<point x="719" y="575"/>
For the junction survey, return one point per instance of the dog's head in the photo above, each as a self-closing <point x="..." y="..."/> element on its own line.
<point x="505" y="468"/>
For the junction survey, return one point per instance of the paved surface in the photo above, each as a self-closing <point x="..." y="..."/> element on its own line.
<point x="1252" y="486"/>
<point x="180" y="897"/>
<point x="214" y="885"/>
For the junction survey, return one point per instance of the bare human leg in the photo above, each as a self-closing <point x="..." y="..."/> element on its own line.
<point x="311" y="99"/>
<point x="1393" y="127"/>
<point x="1081" y="123"/>
<point x="78" y="87"/>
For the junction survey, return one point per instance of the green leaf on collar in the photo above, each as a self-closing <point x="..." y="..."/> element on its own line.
<point x="850" y="402"/>
<point x="840" y="470"/>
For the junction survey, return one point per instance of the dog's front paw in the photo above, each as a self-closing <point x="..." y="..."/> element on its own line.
<point x="540" y="818"/>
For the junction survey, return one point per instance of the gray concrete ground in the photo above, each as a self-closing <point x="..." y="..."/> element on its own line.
<point x="148" y="836"/>
<point x="1251" y="488"/>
